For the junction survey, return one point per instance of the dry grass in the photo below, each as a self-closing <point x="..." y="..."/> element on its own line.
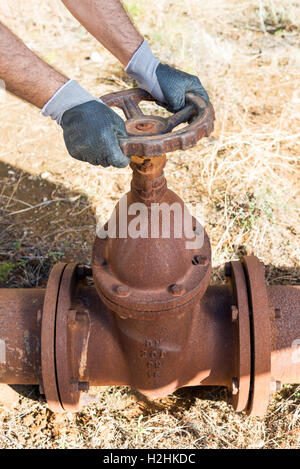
<point x="246" y="176"/>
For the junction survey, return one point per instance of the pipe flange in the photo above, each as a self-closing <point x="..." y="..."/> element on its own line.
<point x="66" y="366"/>
<point x="50" y="388"/>
<point x="260" y="336"/>
<point x="60" y="330"/>
<point x="241" y="323"/>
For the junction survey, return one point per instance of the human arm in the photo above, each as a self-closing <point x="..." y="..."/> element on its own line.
<point x="109" y="23"/>
<point x="24" y="73"/>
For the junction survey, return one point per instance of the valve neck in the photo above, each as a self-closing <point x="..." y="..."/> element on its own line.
<point x="148" y="183"/>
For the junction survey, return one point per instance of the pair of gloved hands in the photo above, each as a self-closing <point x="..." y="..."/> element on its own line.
<point x="92" y="130"/>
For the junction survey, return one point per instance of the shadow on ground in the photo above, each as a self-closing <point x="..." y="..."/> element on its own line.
<point x="40" y="224"/>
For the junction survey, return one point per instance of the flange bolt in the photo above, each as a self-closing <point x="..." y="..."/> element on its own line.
<point x="200" y="260"/>
<point x="234" y="313"/>
<point x="122" y="290"/>
<point x="177" y="290"/>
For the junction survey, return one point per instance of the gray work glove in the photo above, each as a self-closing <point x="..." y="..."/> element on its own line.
<point x="91" y="129"/>
<point x="166" y="84"/>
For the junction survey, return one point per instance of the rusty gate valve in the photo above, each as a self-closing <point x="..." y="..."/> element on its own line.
<point x="151" y="320"/>
<point x="147" y="277"/>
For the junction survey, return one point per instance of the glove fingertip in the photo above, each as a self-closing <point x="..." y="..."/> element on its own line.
<point x="117" y="158"/>
<point x="124" y="163"/>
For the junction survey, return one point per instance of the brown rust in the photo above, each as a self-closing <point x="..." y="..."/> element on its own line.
<point x="148" y="183"/>
<point x="260" y="336"/>
<point x="20" y="330"/>
<point x="152" y="135"/>
<point x="151" y="321"/>
<point x="242" y="348"/>
<point x="162" y="355"/>
<point x="141" y="353"/>
<point x="159" y="355"/>
<point x="151" y="268"/>
<point x="155" y="356"/>
<point x="285" y="333"/>
<point x="48" y="355"/>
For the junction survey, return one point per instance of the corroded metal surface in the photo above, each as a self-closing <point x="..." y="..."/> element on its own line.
<point x="260" y="336"/>
<point x="69" y="394"/>
<point x="65" y="332"/>
<point x="96" y="347"/>
<point x="155" y="357"/>
<point x="158" y="275"/>
<point x="285" y="333"/>
<point x="241" y="324"/>
<point x="20" y="330"/>
<point x="48" y="338"/>
<point x="152" y="135"/>
<point x="149" y="299"/>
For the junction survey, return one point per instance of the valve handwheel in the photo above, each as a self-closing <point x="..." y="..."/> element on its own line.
<point x="153" y="135"/>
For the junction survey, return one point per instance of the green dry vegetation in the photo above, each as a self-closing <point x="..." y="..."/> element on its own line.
<point x="245" y="176"/>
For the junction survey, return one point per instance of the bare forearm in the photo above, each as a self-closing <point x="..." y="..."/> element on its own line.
<point x="24" y="73"/>
<point x="109" y="23"/>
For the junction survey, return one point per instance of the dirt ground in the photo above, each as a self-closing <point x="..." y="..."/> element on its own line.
<point x="246" y="176"/>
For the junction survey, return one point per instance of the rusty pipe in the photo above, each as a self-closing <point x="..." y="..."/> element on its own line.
<point x="20" y="335"/>
<point x="156" y="357"/>
<point x="285" y="337"/>
<point x="135" y="351"/>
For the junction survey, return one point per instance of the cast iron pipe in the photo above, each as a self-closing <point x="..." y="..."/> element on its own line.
<point x="156" y="357"/>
